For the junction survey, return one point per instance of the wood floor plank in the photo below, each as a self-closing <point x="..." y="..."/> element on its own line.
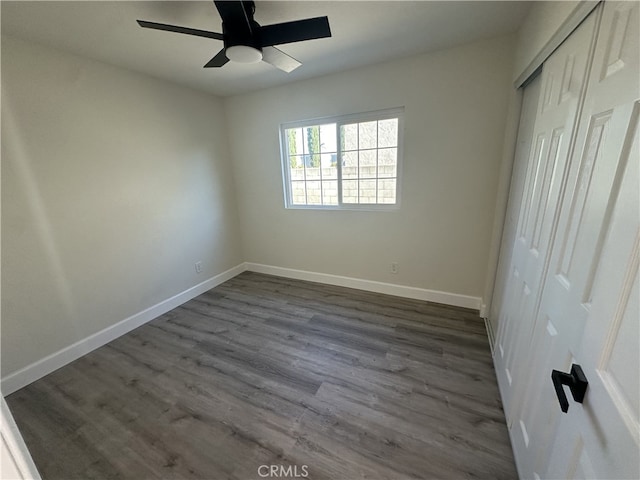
<point x="270" y="371"/>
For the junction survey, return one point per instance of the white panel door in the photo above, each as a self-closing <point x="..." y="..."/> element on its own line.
<point x="591" y="295"/>
<point x="563" y="81"/>
<point x="526" y="125"/>
<point x="588" y="304"/>
<point x="572" y="294"/>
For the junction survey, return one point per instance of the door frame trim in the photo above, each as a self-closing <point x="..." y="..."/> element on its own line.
<point x="579" y="13"/>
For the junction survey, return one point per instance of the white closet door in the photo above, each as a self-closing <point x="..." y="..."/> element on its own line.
<point x="533" y="414"/>
<point x="526" y="125"/>
<point x="563" y="80"/>
<point x="591" y="297"/>
<point x="572" y="295"/>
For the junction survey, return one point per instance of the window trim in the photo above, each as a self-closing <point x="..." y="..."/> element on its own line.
<point x="339" y="120"/>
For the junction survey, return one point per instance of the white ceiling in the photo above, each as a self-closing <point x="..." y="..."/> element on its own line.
<point x="364" y="33"/>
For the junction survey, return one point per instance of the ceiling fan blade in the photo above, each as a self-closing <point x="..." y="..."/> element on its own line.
<point x="218" y="61"/>
<point x="295" y="31"/>
<point x="279" y="59"/>
<point x="177" y="29"/>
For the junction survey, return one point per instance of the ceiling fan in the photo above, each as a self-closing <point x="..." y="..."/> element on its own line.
<point x="245" y="41"/>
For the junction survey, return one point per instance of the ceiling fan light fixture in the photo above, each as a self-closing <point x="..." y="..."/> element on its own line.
<point x="243" y="54"/>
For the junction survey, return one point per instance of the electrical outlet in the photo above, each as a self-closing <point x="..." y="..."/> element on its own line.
<point x="198" y="266"/>
<point x="394" y="267"/>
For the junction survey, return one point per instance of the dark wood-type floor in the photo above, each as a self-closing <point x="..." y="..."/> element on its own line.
<point x="262" y="370"/>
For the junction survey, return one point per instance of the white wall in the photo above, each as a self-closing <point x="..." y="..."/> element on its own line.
<point x="456" y="104"/>
<point x="113" y="185"/>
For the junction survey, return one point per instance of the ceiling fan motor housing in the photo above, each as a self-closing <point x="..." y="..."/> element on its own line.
<point x="241" y="33"/>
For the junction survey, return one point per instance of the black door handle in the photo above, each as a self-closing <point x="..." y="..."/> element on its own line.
<point x="576" y="381"/>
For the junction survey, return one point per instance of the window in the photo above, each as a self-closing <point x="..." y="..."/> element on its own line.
<point x="348" y="162"/>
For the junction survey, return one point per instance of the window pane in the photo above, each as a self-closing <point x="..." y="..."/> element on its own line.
<point x="313" y="173"/>
<point x="367" y="135"/>
<point x="388" y="133"/>
<point x="367" y="164"/>
<point x="294" y="141"/>
<point x="387" y="191"/>
<point x="350" y="191"/>
<point x="330" y="193"/>
<point x="349" y="137"/>
<point x="367" y="191"/>
<point x="388" y="156"/>
<point x="330" y="173"/>
<point x="297" y="173"/>
<point x="312" y="145"/>
<point x="314" y="196"/>
<point x="387" y="171"/>
<point x="298" y="196"/>
<point x="387" y="162"/>
<point x="328" y="139"/>
<point x="350" y="165"/>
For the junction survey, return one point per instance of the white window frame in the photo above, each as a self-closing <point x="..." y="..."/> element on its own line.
<point x="340" y="120"/>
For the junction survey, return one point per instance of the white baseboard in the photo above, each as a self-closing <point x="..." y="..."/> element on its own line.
<point x="16" y="380"/>
<point x="15" y="458"/>
<point x="436" y="296"/>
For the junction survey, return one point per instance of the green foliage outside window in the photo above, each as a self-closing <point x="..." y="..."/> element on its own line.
<point x="313" y="145"/>
<point x="291" y="140"/>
